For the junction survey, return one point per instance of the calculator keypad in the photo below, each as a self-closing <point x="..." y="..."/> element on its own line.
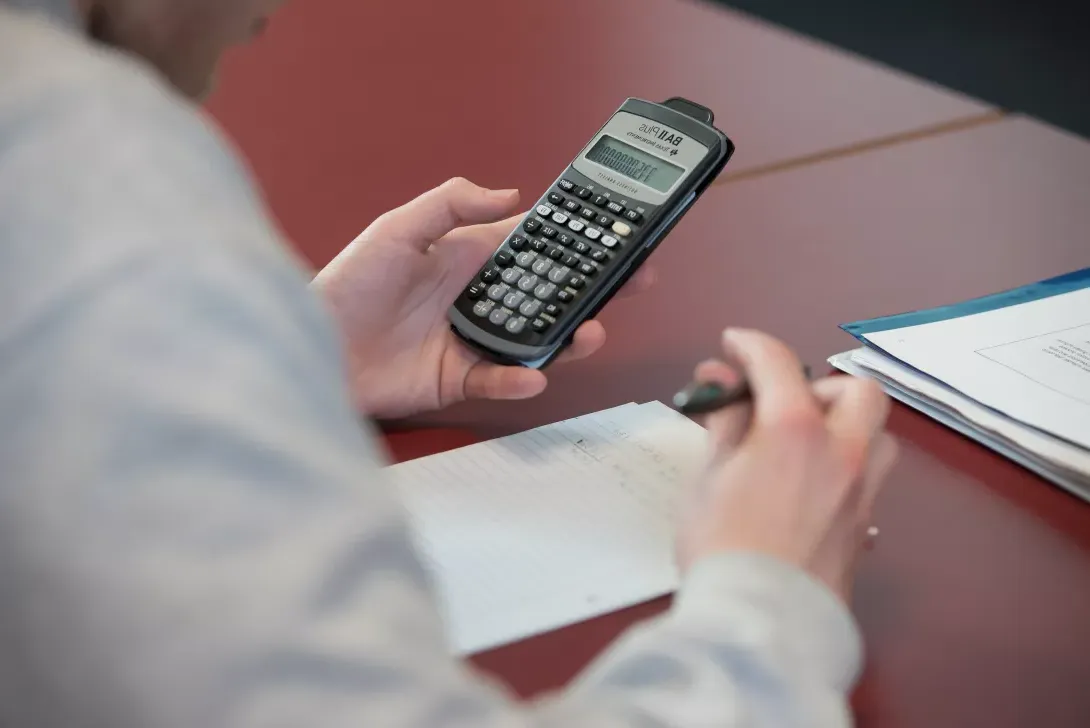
<point x="570" y="238"/>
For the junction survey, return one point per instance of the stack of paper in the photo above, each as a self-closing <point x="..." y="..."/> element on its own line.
<point x="1012" y="371"/>
<point x="541" y="529"/>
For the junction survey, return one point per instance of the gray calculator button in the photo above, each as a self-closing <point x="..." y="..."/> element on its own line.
<point x="513" y="299"/>
<point x="529" y="307"/>
<point x="609" y="241"/>
<point x="497" y="291"/>
<point x="544" y="211"/>
<point x="515" y="324"/>
<point x="499" y="316"/>
<point x="577" y="225"/>
<point x="482" y="308"/>
<point x="512" y="275"/>
<point x="542" y="266"/>
<point x="545" y="291"/>
<point x="593" y="233"/>
<point x="527" y="283"/>
<point x="559" y="218"/>
<point x="559" y="275"/>
<point x="526" y="259"/>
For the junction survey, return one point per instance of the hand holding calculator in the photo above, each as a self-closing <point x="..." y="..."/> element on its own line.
<point x="590" y="231"/>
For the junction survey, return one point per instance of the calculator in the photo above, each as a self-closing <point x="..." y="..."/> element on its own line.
<point x="590" y="231"/>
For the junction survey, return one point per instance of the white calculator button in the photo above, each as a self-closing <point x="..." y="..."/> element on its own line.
<point x="609" y="241"/>
<point x="544" y="211"/>
<point x="593" y="233"/>
<point x="560" y="218"/>
<point x="577" y="225"/>
<point x="622" y="229"/>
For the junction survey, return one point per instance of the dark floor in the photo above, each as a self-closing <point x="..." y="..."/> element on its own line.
<point x="1031" y="57"/>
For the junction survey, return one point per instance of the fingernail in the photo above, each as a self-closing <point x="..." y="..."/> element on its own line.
<point x="503" y="193"/>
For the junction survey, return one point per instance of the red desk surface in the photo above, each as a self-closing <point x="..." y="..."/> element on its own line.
<point x="976" y="605"/>
<point x="349" y="108"/>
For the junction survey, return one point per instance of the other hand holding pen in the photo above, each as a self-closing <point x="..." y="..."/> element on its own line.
<point x="794" y="471"/>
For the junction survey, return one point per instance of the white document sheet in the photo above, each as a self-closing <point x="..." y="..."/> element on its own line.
<point x="1055" y="460"/>
<point x="1030" y="361"/>
<point x="545" y="528"/>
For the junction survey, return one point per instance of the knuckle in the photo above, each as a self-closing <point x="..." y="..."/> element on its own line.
<point x="801" y="424"/>
<point x="458" y="185"/>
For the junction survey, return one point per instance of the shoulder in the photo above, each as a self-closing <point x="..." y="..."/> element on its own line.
<point x="95" y="131"/>
<point x="103" y="164"/>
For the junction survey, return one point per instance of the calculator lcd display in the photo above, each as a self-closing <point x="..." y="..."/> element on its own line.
<point x="635" y="163"/>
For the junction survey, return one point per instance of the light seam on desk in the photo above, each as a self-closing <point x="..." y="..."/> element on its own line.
<point x="870" y="145"/>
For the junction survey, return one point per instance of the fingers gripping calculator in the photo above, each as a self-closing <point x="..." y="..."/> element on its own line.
<point x="590" y="231"/>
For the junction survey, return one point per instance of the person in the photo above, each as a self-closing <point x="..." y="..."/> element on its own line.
<point x="194" y="528"/>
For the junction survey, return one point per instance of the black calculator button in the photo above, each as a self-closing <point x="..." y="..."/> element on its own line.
<point x="572" y="205"/>
<point x="565" y="296"/>
<point x="581" y="247"/>
<point x="490" y="275"/>
<point x="504" y="258"/>
<point x="511" y="276"/>
<point x="571" y="260"/>
<point x="565" y="239"/>
<point x="587" y="269"/>
<point x="601" y="200"/>
<point x="548" y="232"/>
<point x="576" y="282"/>
<point x="556" y="253"/>
<point x="552" y="310"/>
<point x="531" y="226"/>
<point x="517" y="243"/>
<point x="538" y="245"/>
<point x="615" y="208"/>
<point x="604" y="221"/>
<point x="539" y="325"/>
<point x="582" y="193"/>
<point x="565" y="185"/>
<point x="475" y="291"/>
<point x="633" y="217"/>
<point x="598" y="255"/>
<point x="588" y="213"/>
<point x="555" y="198"/>
<point x="530" y="307"/>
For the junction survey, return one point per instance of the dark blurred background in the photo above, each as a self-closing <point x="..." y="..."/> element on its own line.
<point x="1027" y="57"/>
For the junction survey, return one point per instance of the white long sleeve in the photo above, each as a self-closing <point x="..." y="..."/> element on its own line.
<point x="194" y="528"/>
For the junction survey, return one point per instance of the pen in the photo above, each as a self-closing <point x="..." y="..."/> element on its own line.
<point x="700" y="398"/>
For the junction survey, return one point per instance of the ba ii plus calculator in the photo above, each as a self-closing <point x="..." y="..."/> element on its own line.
<point x="590" y="231"/>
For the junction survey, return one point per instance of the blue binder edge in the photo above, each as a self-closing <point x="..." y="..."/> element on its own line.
<point x="1056" y="286"/>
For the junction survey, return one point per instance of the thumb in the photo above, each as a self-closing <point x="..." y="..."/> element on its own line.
<point x="492" y="381"/>
<point x="430" y="216"/>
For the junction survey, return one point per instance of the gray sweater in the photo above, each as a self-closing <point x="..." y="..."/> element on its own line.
<point x="194" y="529"/>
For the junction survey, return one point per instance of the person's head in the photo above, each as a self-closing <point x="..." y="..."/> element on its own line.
<point x="184" y="39"/>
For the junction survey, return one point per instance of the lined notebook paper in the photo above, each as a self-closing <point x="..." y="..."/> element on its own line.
<point x="534" y="531"/>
